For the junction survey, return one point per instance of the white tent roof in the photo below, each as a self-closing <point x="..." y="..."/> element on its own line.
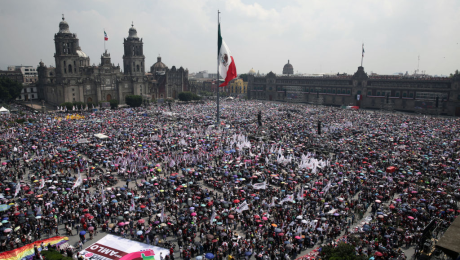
<point x="101" y="136"/>
<point x="4" y="110"/>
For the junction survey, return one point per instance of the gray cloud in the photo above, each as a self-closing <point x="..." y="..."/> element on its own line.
<point x="316" y="36"/>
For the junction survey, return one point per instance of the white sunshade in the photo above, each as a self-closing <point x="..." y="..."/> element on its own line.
<point x="101" y="136"/>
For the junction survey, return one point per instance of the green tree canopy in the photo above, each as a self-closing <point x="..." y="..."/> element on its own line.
<point x="244" y="77"/>
<point x="9" y="89"/>
<point x="133" y="100"/>
<point x="68" y="105"/>
<point x="113" y="103"/>
<point x="343" y="251"/>
<point x="188" y="96"/>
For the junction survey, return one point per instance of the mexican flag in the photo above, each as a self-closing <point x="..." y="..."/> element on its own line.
<point x="227" y="68"/>
<point x="106" y="38"/>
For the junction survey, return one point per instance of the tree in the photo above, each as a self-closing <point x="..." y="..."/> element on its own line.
<point x="133" y="100"/>
<point x="342" y="251"/>
<point x="68" y="105"/>
<point x="244" y="77"/>
<point x="9" y="89"/>
<point x="113" y="103"/>
<point x="188" y="96"/>
<point x="91" y="104"/>
<point x="185" y="96"/>
<point x="79" y="105"/>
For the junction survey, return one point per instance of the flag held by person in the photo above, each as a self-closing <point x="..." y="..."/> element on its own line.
<point x="227" y="68"/>
<point x="79" y="180"/>
<point x="18" y="188"/>
<point x="132" y="205"/>
<point x="213" y="216"/>
<point x="300" y="194"/>
<point x="42" y="184"/>
<point x="162" y="216"/>
<point x="103" y="196"/>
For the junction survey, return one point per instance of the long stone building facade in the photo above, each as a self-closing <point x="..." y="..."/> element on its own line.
<point x="73" y="79"/>
<point x="430" y="95"/>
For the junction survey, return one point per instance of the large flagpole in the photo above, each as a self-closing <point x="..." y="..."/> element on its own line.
<point x="217" y="81"/>
<point x="362" y="55"/>
<point x="104" y="40"/>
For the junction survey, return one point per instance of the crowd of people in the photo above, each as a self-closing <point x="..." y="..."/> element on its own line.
<point x="306" y="178"/>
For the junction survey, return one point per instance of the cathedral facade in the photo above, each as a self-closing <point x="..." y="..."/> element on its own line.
<point x="73" y="79"/>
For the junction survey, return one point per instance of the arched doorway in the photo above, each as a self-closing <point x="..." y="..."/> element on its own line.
<point x="174" y="94"/>
<point x="109" y="97"/>
<point x="89" y="100"/>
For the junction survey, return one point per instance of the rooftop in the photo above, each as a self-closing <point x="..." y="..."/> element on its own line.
<point x="449" y="242"/>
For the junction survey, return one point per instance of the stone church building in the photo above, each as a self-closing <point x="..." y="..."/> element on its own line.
<point x="73" y="79"/>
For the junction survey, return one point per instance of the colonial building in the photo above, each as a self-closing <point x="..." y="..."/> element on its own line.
<point x="236" y="87"/>
<point x="168" y="82"/>
<point x="29" y="72"/>
<point x="15" y="75"/>
<point x="73" y="79"/>
<point x="431" y="95"/>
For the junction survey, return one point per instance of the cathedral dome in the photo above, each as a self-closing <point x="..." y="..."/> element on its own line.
<point x="63" y="26"/>
<point x="132" y="32"/>
<point x="252" y="72"/>
<point x="159" y="65"/>
<point x="81" y="54"/>
<point x="288" y="69"/>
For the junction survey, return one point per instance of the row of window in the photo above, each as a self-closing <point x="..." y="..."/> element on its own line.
<point x="408" y="85"/>
<point x="28" y="90"/>
<point x="315" y="82"/>
<point x="23" y="97"/>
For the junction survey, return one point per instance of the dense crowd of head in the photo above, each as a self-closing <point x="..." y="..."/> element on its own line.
<point x="374" y="180"/>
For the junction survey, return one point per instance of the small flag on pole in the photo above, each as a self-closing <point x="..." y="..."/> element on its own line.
<point x="106" y="38"/>
<point x="363" y="49"/>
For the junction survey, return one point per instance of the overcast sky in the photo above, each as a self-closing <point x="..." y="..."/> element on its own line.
<point x="317" y="36"/>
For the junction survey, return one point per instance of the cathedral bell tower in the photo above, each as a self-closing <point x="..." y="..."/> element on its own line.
<point x="68" y="56"/>
<point x="133" y="58"/>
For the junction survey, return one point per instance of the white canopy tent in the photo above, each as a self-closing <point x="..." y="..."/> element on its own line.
<point x="4" y="111"/>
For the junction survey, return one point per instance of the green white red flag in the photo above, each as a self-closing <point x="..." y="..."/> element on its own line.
<point x="227" y="68"/>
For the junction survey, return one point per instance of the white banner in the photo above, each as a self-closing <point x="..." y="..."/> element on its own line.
<point x="288" y="198"/>
<point x="242" y="207"/>
<point x="260" y="186"/>
<point x="113" y="247"/>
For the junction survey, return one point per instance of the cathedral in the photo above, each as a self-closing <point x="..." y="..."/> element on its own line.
<point x="73" y="79"/>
